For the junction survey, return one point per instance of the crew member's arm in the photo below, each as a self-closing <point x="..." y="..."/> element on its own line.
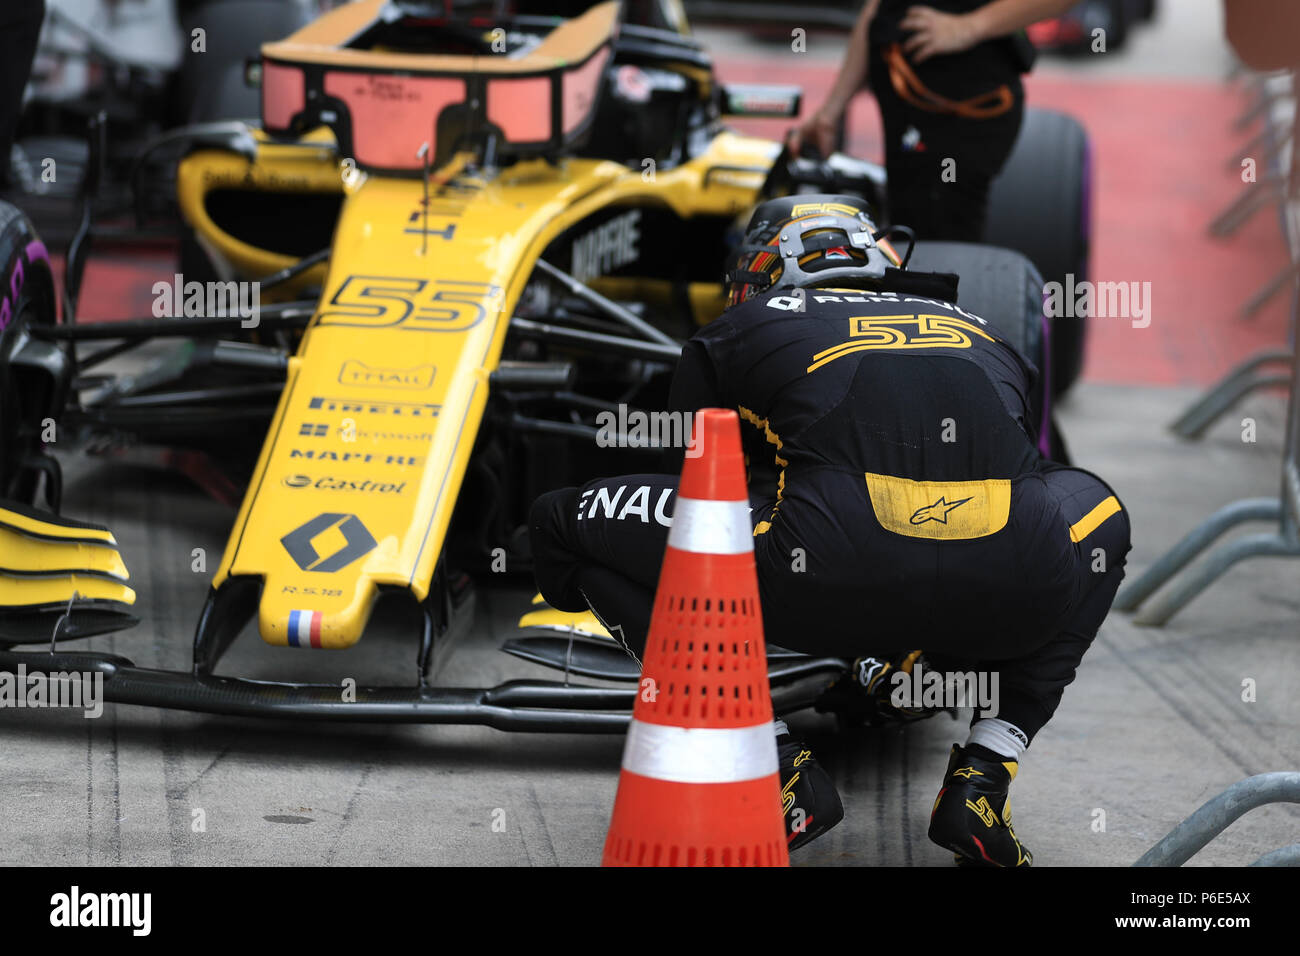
<point x="694" y="386"/>
<point x="935" y="33"/>
<point x="821" y="126"/>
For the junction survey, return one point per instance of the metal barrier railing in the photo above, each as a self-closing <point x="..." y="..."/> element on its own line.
<point x="1282" y="186"/>
<point x="1276" y="98"/>
<point x="1189" y="837"/>
<point x="1285" y="856"/>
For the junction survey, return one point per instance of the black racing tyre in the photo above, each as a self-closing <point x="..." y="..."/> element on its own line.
<point x="1109" y="16"/>
<point x="1001" y="286"/>
<point x="210" y="85"/>
<point x="1041" y="205"/>
<point x="1005" y="289"/>
<point x="35" y="374"/>
<point x="1117" y="32"/>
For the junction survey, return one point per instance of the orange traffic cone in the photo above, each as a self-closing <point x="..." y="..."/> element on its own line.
<point x="700" y="785"/>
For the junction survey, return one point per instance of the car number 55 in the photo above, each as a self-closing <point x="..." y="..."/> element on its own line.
<point x="412" y="304"/>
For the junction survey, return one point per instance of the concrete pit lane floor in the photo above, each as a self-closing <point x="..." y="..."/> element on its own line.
<point x="1154" y="725"/>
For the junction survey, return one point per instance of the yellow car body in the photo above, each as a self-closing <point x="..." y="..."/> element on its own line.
<point x="364" y="459"/>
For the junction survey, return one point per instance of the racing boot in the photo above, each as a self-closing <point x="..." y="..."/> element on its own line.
<point x="863" y="695"/>
<point x="808" y="798"/>
<point x="972" y="814"/>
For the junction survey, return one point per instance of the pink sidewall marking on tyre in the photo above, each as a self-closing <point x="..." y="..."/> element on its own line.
<point x="33" y="252"/>
<point x="16" y="280"/>
<point x="36" y="251"/>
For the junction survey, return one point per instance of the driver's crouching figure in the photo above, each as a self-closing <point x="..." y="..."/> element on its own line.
<point x="899" y="501"/>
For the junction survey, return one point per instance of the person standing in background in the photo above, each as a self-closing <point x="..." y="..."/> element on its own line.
<point x="947" y="79"/>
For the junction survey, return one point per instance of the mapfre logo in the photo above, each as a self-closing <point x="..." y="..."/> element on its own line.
<point x="612" y="244"/>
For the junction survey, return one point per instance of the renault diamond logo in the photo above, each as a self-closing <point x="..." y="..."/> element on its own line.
<point x="357" y="541"/>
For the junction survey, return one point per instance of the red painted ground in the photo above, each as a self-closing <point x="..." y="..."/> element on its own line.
<point x="119" y="285"/>
<point x="1160" y="151"/>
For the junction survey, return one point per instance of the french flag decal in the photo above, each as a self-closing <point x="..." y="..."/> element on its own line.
<point x="304" y="628"/>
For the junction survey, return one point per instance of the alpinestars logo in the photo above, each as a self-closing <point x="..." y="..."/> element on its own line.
<point x="869" y="671"/>
<point x="937" y="511"/>
<point x="357" y="542"/>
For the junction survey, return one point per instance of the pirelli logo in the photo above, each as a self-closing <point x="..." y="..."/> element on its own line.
<point x="366" y="407"/>
<point x="869" y="332"/>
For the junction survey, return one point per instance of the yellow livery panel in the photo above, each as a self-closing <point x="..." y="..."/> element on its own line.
<point x="362" y="465"/>
<point x="363" y="462"/>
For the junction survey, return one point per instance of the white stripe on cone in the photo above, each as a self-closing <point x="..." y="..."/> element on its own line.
<point x="700" y="754"/>
<point x="703" y="526"/>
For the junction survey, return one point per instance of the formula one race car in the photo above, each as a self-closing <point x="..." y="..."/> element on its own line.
<point x="456" y="240"/>
<point x="1079" y="30"/>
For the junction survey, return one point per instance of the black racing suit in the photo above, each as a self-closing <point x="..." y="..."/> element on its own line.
<point x="941" y="159"/>
<point x="898" y="498"/>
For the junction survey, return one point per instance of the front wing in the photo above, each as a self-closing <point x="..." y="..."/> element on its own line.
<point x="518" y="705"/>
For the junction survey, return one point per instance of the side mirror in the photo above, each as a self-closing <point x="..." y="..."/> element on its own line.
<point x="761" y="99"/>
